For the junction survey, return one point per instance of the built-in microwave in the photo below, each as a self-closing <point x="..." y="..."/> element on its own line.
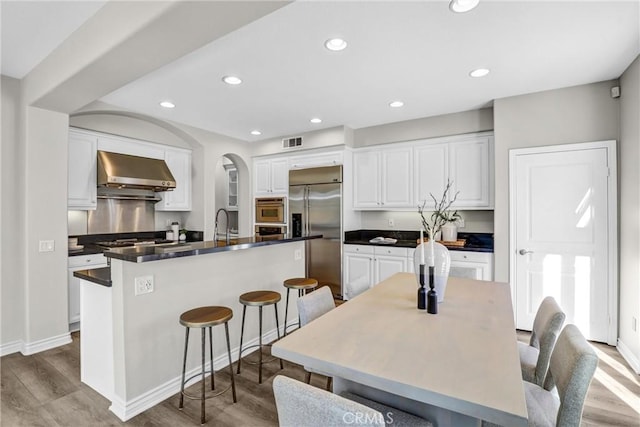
<point x="270" y="210"/>
<point x="270" y="232"/>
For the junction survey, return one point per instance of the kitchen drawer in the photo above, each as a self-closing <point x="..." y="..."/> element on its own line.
<point x="86" y="260"/>
<point x="470" y="256"/>
<point x="359" y="249"/>
<point x="392" y="251"/>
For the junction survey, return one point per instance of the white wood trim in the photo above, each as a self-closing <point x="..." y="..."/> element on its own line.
<point x="33" y="347"/>
<point x="612" y="209"/>
<point x="10" y="347"/>
<point x="628" y="355"/>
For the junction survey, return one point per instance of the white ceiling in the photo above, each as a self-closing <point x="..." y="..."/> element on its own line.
<point x="418" y="52"/>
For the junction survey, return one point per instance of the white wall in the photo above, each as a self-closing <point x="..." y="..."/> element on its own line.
<point x="46" y="314"/>
<point x="563" y="116"/>
<point x="11" y="219"/>
<point x="475" y="221"/>
<point x="427" y="127"/>
<point x="629" y="191"/>
<point x="337" y="136"/>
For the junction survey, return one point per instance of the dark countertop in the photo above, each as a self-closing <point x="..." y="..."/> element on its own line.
<point x="176" y="250"/>
<point x="101" y="276"/>
<point x="475" y="242"/>
<point x="88" y="241"/>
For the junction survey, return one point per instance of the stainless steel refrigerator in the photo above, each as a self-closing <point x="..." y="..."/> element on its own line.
<point x="315" y="207"/>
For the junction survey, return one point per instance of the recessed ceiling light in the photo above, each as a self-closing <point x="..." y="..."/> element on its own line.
<point x="461" y="6"/>
<point x="316" y="120"/>
<point x="167" y="104"/>
<point x="396" y="104"/>
<point x="231" y="80"/>
<point x="335" y="44"/>
<point x="479" y="72"/>
<point x="256" y="132"/>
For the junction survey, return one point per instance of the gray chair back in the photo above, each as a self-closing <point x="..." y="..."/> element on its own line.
<point x="356" y="287"/>
<point x="300" y="404"/>
<point x="572" y="366"/>
<point x="546" y="328"/>
<point x="315" y="304"/>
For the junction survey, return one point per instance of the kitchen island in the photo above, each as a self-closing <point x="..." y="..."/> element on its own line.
<point x="132" y="342"/>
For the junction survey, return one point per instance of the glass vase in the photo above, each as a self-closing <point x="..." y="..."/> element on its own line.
<point x="442" y="264"/>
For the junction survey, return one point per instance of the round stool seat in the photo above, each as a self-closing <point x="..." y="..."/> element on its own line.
<point x="260" y="298"/>
<point x="204" y="317"/>
<point x="300" y="283"/>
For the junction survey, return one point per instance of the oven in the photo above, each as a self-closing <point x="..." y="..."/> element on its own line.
<point x="270" y="210"/>
<point x="270" y="232"/>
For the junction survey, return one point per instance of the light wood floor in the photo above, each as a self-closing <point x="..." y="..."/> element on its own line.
<point x="45" y="390"/>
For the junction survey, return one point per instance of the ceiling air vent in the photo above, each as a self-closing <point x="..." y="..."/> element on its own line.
<point x="292" y="142"/>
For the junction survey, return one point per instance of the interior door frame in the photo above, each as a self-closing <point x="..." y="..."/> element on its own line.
<point x="612" y="213"/>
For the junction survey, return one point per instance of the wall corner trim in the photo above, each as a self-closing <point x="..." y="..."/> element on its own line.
<point x="628" y="355"/>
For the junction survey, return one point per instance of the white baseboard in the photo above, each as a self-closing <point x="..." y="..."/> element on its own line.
<point x="628" y="355"/>
<point x="10" y="347"/>
<point x="125" y="410"/>
<point x="45" y="344"/>
<point x="34" y="346"/>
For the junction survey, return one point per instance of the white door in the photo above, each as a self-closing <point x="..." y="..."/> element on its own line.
<point x="563" y="213"/>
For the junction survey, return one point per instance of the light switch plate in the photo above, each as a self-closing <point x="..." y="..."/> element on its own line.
<point x="46" y="246"/>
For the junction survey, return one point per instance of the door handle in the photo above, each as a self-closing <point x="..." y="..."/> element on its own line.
<point x="524" y="251"/>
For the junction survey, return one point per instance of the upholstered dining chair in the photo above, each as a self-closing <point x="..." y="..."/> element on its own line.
<point x="571" y="368"/>
<point x="356" y="287"/>
<point x="301" y="405"/>
<point x="310" y="307"/>
<point x="534" y="357"/>
<point x="573" y="363"/>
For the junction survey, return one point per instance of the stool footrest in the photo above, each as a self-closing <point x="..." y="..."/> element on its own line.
<point x="208" y="395"/>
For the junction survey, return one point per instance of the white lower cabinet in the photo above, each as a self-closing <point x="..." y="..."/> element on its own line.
<point x="372" y="264"/>
<point x="471" y="265"/>
<point x="75" y="263"/>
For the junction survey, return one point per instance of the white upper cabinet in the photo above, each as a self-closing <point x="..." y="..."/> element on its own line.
<point x="366" y="180"/>
<point x="397" y="178"/>
<point x="401" y="176"/>
<point x="431" y="172"/>
<point x="83" y="146"/>
<point x="179" y="163"/>
<point x="470" y="172"/>
<point x="383" y="179"/>
<point x="271" y="176"/>
<point x="316" y="160"/>
<point x="82" y="182"/>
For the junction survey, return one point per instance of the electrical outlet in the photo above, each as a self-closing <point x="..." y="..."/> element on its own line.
<point x="634" y="324"/>
<point x="297" y="254"/>
<point x="46" y="246"/>
<point x="144" y="285"/>
<point x="391" y="222"/>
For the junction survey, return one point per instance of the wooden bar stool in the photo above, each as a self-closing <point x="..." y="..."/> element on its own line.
<point x="258" y="299"/>
<point x="203" y="318"/>
<point x="302" y="284"/>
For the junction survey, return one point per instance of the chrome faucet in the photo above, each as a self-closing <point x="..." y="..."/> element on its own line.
<point x="215" y="230"/>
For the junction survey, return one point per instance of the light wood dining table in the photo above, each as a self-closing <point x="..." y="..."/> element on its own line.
<point x="454" y="368"/>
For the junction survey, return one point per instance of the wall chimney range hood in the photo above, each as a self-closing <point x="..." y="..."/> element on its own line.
<point x="117" y="170"/>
